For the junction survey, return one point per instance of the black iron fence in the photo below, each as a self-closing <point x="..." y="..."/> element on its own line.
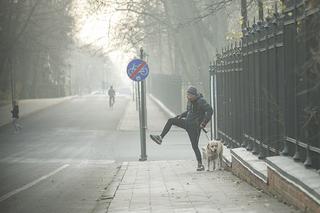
<point x="268" y="87"/>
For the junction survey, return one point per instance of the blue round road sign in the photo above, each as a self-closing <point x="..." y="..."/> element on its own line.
<point x="137" y="70"/>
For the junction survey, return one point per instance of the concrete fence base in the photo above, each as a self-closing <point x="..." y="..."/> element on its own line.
<point x="281" y="177"/>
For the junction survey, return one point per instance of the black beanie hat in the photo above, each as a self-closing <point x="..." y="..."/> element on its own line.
<point x="192" y="90"/>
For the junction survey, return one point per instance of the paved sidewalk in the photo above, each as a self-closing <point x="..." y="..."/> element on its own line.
<point x="28" y="106"/>
<point x="175" y="186"/>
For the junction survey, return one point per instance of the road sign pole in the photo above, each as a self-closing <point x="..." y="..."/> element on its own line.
<point x="136" y="87"/>
<point x="143" y="156"/>
<point x="142" y="116"/>
<point x="138" y="71"/>
<point x="138" y="100"/>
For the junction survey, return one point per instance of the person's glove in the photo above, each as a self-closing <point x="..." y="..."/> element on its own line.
<point x="203" y="125"/>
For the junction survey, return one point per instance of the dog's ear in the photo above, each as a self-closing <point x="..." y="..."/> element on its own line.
<point x="208" y="146"/>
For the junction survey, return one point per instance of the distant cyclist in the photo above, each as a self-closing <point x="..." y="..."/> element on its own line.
<point x="15" y="117"/>
<point x="112" y="95"/>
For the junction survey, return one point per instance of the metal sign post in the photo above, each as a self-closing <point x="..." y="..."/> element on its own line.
<point x="138" y="70"/>
<point x="136" y="87"/>
<point x="142" y="113"/>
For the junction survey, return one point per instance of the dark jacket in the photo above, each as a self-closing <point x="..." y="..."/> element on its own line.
<point x="15" y="111"/>
<point x="198" y="111"/>
<point x="111" y="92"/>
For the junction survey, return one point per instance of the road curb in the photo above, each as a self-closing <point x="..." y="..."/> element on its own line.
<point x="109" y="193"/>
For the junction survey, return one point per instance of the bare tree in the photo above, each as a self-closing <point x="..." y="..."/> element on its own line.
<point x="34" y="36"/>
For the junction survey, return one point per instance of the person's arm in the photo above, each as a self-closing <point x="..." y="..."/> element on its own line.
<point x="208" y="112"/>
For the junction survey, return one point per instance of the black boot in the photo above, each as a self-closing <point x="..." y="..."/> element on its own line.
<point x="156" y="138"/>
<point x="200" y="167"/>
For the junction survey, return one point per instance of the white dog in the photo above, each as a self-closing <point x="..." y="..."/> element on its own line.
<point x="213" y="153"/>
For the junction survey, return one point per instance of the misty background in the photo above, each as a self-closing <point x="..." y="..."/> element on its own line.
<point x="61" y="48"/>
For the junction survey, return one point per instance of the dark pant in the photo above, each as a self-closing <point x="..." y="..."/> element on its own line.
<point x="192" y="130"/>
<point x="111" y="101"/>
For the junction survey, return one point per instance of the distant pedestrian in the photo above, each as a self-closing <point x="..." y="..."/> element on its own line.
<point x="196" y="117"/>
<point x="15" y="117"/>
<point x="112" y="95"/>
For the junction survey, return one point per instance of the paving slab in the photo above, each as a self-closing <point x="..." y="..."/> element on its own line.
<point x="175" y="186"/>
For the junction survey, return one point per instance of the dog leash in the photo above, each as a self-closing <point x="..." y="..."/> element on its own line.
<point x="206" y="133"/>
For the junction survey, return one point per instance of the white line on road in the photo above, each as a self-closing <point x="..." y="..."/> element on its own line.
<point x="27" y="186"/>
<point x="56" y="160"/>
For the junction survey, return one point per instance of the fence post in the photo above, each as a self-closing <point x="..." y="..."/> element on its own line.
<point x="247" y="83"/>
<point x="239" y="94"/>
<point x="229" y="65"/>
<point x="296" y="156"/>
<point x="267" y="89"/>
<point x="242" y="83"/>
<point x="233" y="100"/>
<point x="261" y="152"/>
<point x="285" y="148"/>
<point x="308" y="161"/>
<point x="224" y="94"/>
<point x="277" y="70"/>
<point x="217" y="98"/>
<point x="230" y="91"/>
<point x="211" y="92"/>
<point x="255" y="43"/>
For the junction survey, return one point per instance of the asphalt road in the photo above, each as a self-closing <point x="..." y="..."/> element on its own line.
<point x="63" y="158"/>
